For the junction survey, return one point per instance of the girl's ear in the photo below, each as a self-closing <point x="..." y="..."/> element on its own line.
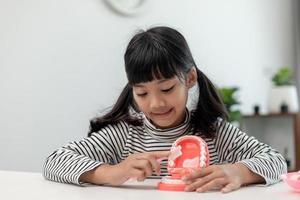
<point x="192" y="77"/>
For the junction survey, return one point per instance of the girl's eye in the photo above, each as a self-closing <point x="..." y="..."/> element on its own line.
<point x="141" y="94"/>
<point x="168" y="90"/>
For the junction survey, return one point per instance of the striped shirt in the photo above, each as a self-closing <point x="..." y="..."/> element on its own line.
<point x="114" y="143"/>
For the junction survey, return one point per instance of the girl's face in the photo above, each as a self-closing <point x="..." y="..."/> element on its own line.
<point x="163" y="101"/>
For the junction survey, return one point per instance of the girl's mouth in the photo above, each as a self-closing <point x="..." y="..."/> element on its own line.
<point x="162" y="114"/>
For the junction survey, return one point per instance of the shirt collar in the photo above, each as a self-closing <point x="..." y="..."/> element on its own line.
<point x="168" y="134"/>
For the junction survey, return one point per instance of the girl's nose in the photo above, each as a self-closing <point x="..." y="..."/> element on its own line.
<point x="157" y="102"/>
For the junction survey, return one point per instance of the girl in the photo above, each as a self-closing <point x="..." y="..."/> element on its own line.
<point x="151" y="114"/>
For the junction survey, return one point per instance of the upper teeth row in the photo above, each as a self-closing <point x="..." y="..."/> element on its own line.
<point x="176" y="152"/>
<point x="203" y="155"/>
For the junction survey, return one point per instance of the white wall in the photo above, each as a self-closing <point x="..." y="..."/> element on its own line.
<point x="297" y="25"/>
<point x="62" y="60"/>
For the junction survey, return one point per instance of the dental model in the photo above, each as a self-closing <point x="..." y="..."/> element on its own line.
<point x="188" y="153"/>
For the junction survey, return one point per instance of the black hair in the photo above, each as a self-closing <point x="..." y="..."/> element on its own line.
<point x="162" y="52"/>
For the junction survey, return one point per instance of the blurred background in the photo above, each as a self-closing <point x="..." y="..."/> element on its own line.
<point x="61" y="62"/>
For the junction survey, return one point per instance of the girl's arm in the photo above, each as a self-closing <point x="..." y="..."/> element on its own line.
<point x="136" y="166"/>
<point x="68" y="163"/>
<point x="235" y="146"/>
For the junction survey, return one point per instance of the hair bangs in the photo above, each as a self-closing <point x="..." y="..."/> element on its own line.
<point x="151" y="63"/>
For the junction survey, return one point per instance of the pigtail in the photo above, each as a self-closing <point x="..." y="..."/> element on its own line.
<point x="209" y="107"/>
<point x="120" y="111"/>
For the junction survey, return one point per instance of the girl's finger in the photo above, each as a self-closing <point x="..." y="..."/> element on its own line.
<point x="203" y="172"/>
<point x="144" y="165"/>
<point x="154" y="164"/>
<point x="215" y="184"/>
<point x="230" y="187"/>
<point x="199" y="182"/>
<point x="156" y="154"/>
<point x="137" y="175"/>
<point x="160" y="154"/>
<point x="154" y="158"/>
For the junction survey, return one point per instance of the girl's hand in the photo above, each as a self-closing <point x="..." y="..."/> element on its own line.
<point x="226" y="178"/>
<point x="136" y="166"/>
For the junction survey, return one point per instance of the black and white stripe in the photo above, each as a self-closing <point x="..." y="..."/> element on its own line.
<point x="115" y="142"/>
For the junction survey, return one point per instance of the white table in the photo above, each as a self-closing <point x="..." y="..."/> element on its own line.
<point x="31" y="186"/>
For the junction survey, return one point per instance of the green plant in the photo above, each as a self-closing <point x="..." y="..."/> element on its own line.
<point x="228" y="95"/>
<point x="283" y="76"/>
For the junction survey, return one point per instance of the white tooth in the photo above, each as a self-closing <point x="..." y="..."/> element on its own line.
<point x="175" y="152"/>
<point x="202" y="159"/>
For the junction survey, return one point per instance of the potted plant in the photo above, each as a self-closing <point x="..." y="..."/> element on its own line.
<point x="228" y="95"/>
<point x="283" y="95"/>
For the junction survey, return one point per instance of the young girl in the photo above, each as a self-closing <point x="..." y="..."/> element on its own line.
<point x="151" y="114"/>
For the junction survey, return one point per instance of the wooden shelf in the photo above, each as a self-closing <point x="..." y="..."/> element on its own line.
<point x="296" y="127"/>
<point x="271" y="115"/>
